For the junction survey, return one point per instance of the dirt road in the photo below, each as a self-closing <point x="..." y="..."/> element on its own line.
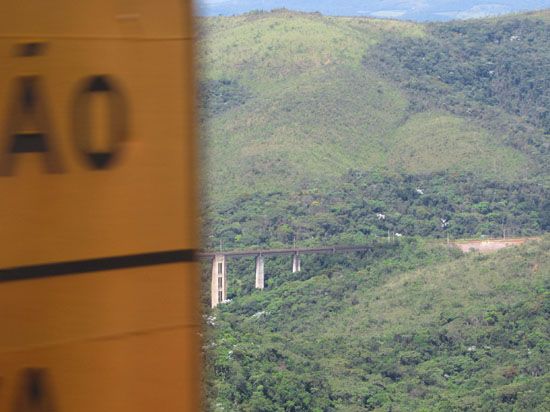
<point x="489" y="245"/>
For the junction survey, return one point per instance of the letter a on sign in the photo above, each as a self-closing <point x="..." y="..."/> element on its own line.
<point x="28" y="128"/>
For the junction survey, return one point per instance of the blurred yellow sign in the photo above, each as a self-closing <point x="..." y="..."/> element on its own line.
<point x="98" y="289"/>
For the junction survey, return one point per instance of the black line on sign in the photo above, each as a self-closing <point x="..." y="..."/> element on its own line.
<point x="96" y="265"/>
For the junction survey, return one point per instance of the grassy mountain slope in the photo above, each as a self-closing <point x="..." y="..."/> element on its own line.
<point x="430" y="330"/>
<point x="297" y="99"/>
<point x="433" y="142"/>
<point x="264" y="49"/>
<point x="310" y="103"/>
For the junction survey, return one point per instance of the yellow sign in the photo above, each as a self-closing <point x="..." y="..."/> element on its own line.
<point x="98" y="288"/>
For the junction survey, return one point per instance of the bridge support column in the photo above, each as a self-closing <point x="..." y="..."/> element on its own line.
<point x="218" y="289"/>
<point x="296" y="263"/>
<point x="260" y="283"/>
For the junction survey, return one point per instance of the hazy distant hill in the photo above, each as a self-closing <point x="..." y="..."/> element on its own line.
<point x="293" y="103"/>
<point x="433" y="10"/>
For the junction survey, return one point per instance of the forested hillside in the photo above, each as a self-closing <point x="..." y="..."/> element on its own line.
<point x="324" y="130"/>
<point x="301" y="111"/>
<point x="409" y="328"/>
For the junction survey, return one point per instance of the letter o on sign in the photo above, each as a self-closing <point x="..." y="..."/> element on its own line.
<point x="117" y="122"/>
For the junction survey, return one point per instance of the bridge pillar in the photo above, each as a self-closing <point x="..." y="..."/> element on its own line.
<point x="296" y="263"/>
<point x="218" y="290"/>
<point x="260" y="283"/>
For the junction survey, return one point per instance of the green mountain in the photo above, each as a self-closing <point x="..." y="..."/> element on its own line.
<point x="314" y="128"/>
<point x="296" y="103"/>
<point x="409" y="328"/>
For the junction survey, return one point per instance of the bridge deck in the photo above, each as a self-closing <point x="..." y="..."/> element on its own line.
<point x="289" y="251"/>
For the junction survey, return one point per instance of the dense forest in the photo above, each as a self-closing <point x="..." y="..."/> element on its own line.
<point x="494" y="72"/>
<point x="435" y="205"/>
<point x="388" y="333"/>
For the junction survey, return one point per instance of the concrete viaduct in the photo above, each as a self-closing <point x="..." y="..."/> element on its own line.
<point x="218" y="290"/>
<point x="219" y="259"/>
